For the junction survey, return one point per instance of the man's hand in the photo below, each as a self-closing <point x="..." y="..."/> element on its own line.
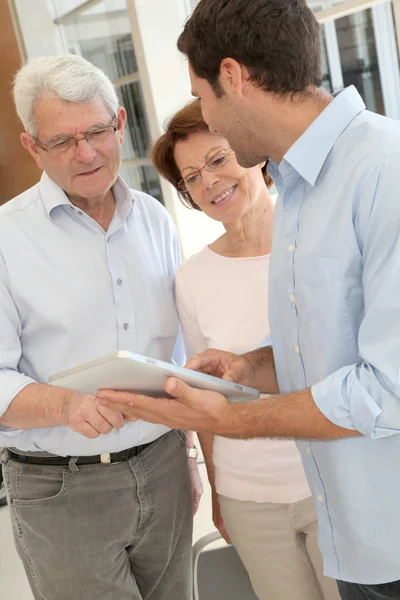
<point x="255" y="369"/>
<point x="197" y="485"/>
<point x="85" y="415"/>
<point x="193" y="409"/>
<point x="226" y="365"/>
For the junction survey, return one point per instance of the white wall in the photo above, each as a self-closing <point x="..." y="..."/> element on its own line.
<point x="41" y="37"/>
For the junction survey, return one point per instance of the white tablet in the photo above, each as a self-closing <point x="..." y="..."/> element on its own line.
<point x="143" y="375"/>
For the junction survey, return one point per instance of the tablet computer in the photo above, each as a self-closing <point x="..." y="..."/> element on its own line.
<point x="126" y="371"/>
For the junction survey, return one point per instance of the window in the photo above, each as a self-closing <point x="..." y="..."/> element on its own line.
<point x="358" y="56"/>
<point x="100" y="32"/>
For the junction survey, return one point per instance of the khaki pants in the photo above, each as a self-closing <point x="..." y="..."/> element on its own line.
<point x="278" y="545"/>
<point x="106" y="532"/>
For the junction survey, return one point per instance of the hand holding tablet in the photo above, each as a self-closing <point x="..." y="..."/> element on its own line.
<point x="126" y="371"/>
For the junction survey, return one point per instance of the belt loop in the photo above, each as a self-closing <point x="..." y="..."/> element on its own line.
<point x="4" y="456"/>
<point x="72" y="464"/>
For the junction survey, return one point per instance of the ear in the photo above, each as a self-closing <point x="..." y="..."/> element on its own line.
<point x="233" y="76"/>
<point x="121" y="120"/>
<point x="29" y="144"/>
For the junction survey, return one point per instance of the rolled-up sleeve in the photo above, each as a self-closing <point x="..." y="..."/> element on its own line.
<point x="366" y="396"/>
<point x="11" y="381"/>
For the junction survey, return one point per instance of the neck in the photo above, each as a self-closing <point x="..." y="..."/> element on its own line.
<point x="291" y="117"/>
<point x="251" y="235"/>
<point x="100" y="208"/>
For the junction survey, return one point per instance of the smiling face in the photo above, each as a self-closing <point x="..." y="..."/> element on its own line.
<point x="85" y="171"/>
<point x="225" y="194"/>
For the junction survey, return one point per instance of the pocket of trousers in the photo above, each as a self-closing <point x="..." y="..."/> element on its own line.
<point x="35" y="484"/>
<point x="180" y="436"/>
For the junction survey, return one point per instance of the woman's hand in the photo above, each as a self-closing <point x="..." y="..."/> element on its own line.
<point x="217" y="517"/>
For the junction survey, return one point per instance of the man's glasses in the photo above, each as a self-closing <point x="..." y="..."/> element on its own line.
<point x="94" y="137"/>
<point x="218" y="161"/>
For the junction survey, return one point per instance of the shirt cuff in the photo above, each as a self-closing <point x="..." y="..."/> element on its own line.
<point x="345" y="402"/>
<point x="11" y="384"/>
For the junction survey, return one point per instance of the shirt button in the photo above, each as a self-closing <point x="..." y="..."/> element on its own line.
<point x="126" y="326"/>
<point x="80" y="213"/>
<point x="320" y="498"/>
<point x="119" y="281"/>
<point x="292" y="298"/>
<point x="308" y="451"/>
<point x="297" y="349"/>
<point x="291" y="248"/>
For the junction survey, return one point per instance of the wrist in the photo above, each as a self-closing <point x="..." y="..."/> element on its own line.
<point x="65" y="407"/>
<point x="68" y="400"/>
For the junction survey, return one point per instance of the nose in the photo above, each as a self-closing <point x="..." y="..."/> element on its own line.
<point x="84" y="152"/>
<point x="210" y="178"/>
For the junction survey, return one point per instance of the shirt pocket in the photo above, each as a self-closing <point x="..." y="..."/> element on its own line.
<point x="323" y="315"/>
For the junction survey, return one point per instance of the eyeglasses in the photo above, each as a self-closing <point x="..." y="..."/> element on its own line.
<point x="218" y="161"/>
<point x="94" y="137"/>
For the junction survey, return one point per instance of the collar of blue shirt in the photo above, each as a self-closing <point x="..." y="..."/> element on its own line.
<point x="309" y="153"/>
<point x="53" y="196"/>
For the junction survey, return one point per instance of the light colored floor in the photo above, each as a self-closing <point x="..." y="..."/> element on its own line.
<point x="13" y="582"/>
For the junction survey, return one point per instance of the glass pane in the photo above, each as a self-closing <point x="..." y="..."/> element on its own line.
<point x="137" y="133"/>
<point x="63" y="7"/>
<point x="143" y="178"/>
<point x="102" y="34"/>
<point x="396" y="16"/>
<point x="357" y="50"/>
<point x="326" y="76"/>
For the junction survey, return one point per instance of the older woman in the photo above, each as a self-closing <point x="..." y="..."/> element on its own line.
<point x="260" y="497"/>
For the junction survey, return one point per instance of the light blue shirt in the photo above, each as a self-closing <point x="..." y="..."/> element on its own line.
<point x="71" y="292"/>
<point x="334" y="311"/>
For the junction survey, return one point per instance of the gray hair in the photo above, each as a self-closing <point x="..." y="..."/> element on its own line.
<point x="69" y="77"/>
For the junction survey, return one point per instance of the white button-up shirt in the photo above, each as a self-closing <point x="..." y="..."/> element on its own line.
<point x="71" y="292"/>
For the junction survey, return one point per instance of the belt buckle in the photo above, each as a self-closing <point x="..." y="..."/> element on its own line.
<point x="105" y="458"/>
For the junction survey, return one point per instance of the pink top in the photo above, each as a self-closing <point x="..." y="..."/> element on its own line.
<point x="223" y="303"/>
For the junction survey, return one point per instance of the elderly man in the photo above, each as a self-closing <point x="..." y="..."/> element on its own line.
<point x="333" y="369"/>
<point x="101" y="507"/>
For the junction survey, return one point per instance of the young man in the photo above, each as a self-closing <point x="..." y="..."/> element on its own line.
<point x="334" y="364"/>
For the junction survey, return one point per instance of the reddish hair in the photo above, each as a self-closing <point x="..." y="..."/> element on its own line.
<point x="185" y="122"/>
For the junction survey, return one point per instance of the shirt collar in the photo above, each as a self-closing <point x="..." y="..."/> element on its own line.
<point x="53" y="196"/>
<point x="309" y="153"/>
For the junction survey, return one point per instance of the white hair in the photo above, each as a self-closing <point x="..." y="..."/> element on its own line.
<point x="69" y="77"/>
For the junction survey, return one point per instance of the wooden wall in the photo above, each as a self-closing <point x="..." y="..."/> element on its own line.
<point x="18" y="171"/>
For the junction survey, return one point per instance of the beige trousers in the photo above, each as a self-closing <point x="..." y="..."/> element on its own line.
<point x="278" y="545"/>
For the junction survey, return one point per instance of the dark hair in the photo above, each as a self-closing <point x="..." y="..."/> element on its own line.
<point x="186" y="121"/>
<point x="278" y="41"/>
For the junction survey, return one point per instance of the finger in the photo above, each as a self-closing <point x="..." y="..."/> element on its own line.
<point x="180" y="390"/>
<point x="86" y="430"/>
<point x="130" y="418"/>
<point x="203" y="364"/>
<point x="196" y="504"/>
<point x="115" y="418"/>
<point x="95" y="419"/>
<point x="128" y="403"/>
<point x="224" y="533"/>
<point x="152" y="410"/>
<point x="196" y="363"/>
<point x="227" y="376"/>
